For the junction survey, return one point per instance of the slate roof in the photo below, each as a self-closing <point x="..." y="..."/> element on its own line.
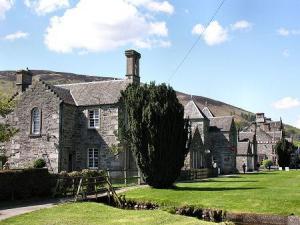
<point x="276" y="135"/>
<point x="207" y="112"/>
<point x="246" y="136"/>
<point x="63" y="94"/>
<point x="262" y="136"/>
<point x="222" y="123"/>
<point x="192" y="111"/>
<point x="95" y="93"/>
<point x="243" y="148"/>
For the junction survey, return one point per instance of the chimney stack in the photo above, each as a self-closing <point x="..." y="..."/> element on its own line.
<point x="24" y="79"/>
<point x="133" y="66"/>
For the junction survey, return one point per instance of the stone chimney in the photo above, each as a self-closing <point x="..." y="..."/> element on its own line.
<point x="133" y="66"/>
<point x="24" y="79"/>
<point x="260" y="117"/>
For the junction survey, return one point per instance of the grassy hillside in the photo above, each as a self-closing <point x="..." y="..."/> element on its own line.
<point x="242" y="117"/>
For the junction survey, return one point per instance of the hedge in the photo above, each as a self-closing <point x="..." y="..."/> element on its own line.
<point x="27" y="183"/>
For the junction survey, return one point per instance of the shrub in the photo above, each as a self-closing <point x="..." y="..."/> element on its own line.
<point x="27" y="183"/>
<point x="39" y="163"/>
<point x="267" y="163"/>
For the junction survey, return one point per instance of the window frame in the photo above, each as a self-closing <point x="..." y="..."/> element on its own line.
<point x="94" y="118"/>
<point x="93" y="167"/>
<point x="34" y="121"/>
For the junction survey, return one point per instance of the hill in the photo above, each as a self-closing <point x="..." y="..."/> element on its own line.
<point x="218" y="108"/>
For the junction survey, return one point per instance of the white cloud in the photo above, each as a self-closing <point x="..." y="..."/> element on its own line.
<point x="5" y="5"/>
<point x="42" y="7"/>
<point x="241" y="25"/>
<point x="16" y="35"/>
<point x="164" y="6"/>
<point x="213" y="35"/>
<point x="286" y="53"/>
<point x="150" y="43"/>
<point x="286" y="32"/>
<point x="94" y="25"/>
<point x="286" y="103"/>
<point x="159" y="29"/>
<point x="283" y="32"/>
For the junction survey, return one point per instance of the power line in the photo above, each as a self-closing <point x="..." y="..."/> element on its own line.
<point x="196" y="42"/>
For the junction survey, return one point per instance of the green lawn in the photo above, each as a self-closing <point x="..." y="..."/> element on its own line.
<point x="96" y="213"/>
<point x="268" y="192"/>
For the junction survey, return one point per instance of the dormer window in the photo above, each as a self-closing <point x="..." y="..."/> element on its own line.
<point x="94" y="118"/>
<point x="35" y="121"/>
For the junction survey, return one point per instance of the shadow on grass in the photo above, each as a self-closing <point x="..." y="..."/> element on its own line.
<point x="230" y="181"/>
<point x="214" y="188"/>
<point x="259" y="173"/>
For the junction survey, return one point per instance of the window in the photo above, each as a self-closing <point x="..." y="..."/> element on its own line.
<point x="93" y="156"/>
<point x="94" y="118"/>
<point x="35" y="121"/>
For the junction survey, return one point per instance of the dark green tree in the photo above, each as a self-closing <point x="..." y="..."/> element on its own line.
<point x="284" y="149"/>
<point x="6" y="106"/>
<point x="156" y="131"/>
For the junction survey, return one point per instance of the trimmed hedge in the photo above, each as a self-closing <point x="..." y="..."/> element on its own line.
<point x="27" y="183"/>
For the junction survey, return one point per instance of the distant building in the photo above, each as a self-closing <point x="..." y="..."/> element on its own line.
<point x="214" y="139"/>
<point x="257" y="142"/>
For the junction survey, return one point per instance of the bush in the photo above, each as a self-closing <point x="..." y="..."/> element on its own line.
<point x="267" y="163"/>
<point x="39" y="163"/>
<point x="27" y="183"/>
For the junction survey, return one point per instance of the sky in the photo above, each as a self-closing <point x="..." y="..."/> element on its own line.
<point x="248" y="56"/>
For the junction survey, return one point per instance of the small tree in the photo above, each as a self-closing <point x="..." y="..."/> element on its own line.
<point x="155" y="131"/>
<point x="267" y="163"/>
<point x="6" y="106"/>
<point x="283" y="150"/>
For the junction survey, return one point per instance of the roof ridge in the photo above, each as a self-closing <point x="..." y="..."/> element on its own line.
<point x="89" y="82"/>
<point x="204" y="116"/>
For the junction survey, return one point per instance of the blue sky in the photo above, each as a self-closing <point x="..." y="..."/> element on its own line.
<point x="248" y="56"/>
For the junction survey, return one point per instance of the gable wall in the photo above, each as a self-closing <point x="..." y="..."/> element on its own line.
<point x="24" y="148"/>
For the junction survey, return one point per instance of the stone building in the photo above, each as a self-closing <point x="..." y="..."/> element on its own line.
<point x="70" y="126"/>
<point x="214" y="139"/>
<point x="262" y="136"/>
<point x="73" y="126"/>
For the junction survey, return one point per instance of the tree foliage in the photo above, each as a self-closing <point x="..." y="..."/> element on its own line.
<point x="6" y="106"/>
<point x="284" y="150"/>
<point x="267" y="163"/>
<point x="156" y="131"/>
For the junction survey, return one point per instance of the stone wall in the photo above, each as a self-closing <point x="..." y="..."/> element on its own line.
<point x="266" y="149"/>
<point x="69" y="140"/>
<point x="24" y="147"/>
<point x="101" y="138"/>
<point x="222" y="150"/>
<point x="196" y="158"/>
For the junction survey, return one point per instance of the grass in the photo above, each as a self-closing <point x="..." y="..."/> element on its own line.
<point x="266" y="192"/>
<point x="96" y="213"/>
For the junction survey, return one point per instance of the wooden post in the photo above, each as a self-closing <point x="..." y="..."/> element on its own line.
<point x="139" y="177"/>
<point x="73" y="186"/>
<point x="95" y="180"/>
<point x="56" y="187"/>
<point x="78" y="190"/>
<point x="125" y="177"/>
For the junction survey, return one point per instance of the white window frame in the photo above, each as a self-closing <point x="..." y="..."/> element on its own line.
<point x="95" y="160"/>
<point x="96" y="126"/>
<point x="36" y="121"/>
